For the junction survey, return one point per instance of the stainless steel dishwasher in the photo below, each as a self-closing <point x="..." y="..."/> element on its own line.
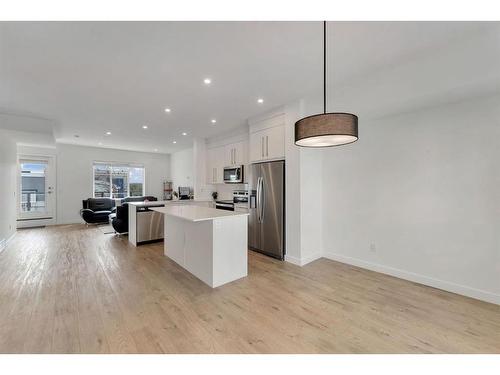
<point x="149" y="225"/>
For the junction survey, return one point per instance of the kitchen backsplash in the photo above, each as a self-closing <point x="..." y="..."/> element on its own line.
<point x="226" y="191"/>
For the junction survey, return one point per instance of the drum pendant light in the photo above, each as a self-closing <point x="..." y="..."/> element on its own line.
<point x="326" y="129"/>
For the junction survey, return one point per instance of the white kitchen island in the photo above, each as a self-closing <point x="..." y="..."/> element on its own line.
<point x="209" y="243"/>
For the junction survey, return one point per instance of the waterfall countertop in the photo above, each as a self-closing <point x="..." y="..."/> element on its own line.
<point x="196" y="213"/>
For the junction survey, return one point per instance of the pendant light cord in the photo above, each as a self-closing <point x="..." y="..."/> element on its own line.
<point x="324" y="66"/>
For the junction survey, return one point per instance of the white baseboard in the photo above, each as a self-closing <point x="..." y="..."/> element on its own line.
<point x="417" y="278"/>
<point x="302" y="261"/>
<point x="293" y="260"/>
<point x="35" y="223"/>
<point x="4" y="242"/>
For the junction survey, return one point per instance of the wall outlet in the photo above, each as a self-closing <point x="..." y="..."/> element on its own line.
<point x="373" y="248"/>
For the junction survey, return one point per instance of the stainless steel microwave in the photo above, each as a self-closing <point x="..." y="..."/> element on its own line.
<point x="233" y="175"/>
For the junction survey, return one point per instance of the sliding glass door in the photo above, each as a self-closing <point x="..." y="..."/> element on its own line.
<point x="36" y="182"/>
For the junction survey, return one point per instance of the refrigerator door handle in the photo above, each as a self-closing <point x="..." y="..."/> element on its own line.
<point x="259" y="201"/>
<point x="262" y="199"/>
<point x="257" y="206"/>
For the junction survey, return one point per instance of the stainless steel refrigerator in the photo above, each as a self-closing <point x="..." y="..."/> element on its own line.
<point x="266" y="229"/>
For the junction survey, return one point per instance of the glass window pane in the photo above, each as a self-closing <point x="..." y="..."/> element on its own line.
<point x="136" y="181"/>
<point x="120" y="181"/>
<point x="33" y="186"/>
<point x="102" y="187"/>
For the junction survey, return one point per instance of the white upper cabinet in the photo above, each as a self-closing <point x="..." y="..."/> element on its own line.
<point x="230" y="155"/>
<point x="215" y="165"/>
<point x="235" y="154"/>
<point x="267" y="139"/>
<point x="274" y="139"/>
<point x="257" y="146"/>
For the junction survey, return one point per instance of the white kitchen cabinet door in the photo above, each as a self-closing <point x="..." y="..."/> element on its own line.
<point x="267" y="144"/>
<point x="257" y="146"/>
<point x="229" y="155"/>
<point x="274" y="143"/>
<point x="235" y="154"/>
<point x="239" y="156"/>
<point x="215" y="165"/>
<point x="211" y="166"/>
<point x="219" y="164"/>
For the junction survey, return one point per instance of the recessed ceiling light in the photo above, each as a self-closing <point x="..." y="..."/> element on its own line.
<point x="167" y="110"/>
<point x="174" y="142"/>
<point x="100" y="143"/>
<point x="207" y="81"/>
<point x="260" y="100"/>
<point x="144" y="126"/>
<point x="108" y="133"/>
<point x="184" y="133"/>
<point x="155" y="150"/>
<point x="213" y="121"/>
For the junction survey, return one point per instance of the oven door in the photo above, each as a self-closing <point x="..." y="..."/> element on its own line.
<point x="233" y="175"/>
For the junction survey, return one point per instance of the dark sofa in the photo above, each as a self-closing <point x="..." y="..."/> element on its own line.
<point x="97" y="210"/>
<point x="119" y="221"/>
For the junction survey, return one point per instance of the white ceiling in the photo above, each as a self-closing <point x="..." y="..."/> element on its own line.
<point x="91" y="77"/>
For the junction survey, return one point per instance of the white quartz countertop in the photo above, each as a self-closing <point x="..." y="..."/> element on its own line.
<point x="196" y="213"/>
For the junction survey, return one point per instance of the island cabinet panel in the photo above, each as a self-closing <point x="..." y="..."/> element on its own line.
<point x="229" y="236"/>
<point x="198" y="252"/>
<point x="211" y="244"/>
<point x="175" y="248"/>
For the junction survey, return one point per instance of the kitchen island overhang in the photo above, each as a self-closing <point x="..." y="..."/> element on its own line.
<point x="209" y="243"/>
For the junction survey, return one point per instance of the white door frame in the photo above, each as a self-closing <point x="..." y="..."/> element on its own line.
<point x="47" y="218"/>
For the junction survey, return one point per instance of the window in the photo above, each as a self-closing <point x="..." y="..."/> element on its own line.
<point x="118" y="180"/>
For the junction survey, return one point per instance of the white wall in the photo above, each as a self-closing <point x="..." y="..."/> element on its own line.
<point x="8" y="162"/>
<point x="74" y="173"/>
<point x="418" y="197"/>
<point x="311" y="205"/>
<point x="182" y="168"/>
<point x="293" y="112"/>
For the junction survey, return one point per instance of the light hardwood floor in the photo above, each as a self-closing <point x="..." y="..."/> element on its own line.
<point x="73" y="289"/>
